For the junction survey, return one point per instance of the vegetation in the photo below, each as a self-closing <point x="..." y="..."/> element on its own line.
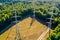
<point x="43" y="11"/>
<point x="55" y="34"/>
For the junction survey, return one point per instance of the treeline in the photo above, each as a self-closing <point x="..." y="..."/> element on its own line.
<point x="7" y="12"/>
<point x="55" y="34"/>
<point x="43" y="11"/>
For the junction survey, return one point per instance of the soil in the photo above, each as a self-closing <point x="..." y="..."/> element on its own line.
<point x="26" y="31"/>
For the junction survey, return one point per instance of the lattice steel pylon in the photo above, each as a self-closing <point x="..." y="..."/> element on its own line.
<point x="34" y="9"/>
<point x="50" y="22"/>
<point x="17" y="37"/>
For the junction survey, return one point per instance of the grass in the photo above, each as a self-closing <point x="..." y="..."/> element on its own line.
<point x="25" y="33"/>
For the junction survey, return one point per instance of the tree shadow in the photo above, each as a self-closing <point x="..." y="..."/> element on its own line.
<point x="25" y="15"/>
<point x="10" y="24"/>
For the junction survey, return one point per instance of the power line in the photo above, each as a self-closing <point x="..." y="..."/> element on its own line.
<point x="49" y="25"/>
<point x="50" y="22"/>
<point x="17" y="37"/>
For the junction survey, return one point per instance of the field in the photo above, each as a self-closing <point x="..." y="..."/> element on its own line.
<point x="44" y="13"/>
<point x="33" y="33"/>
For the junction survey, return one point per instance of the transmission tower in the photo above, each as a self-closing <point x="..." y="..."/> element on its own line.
<point x="34" y="9"/>
<point x="17" y="37"/>
<point x="50" y="22"/>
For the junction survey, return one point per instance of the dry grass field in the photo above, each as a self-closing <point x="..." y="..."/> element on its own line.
<point x="25" y="33"/>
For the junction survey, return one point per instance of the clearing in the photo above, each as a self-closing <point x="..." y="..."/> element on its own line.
<point x="33" y="33"/>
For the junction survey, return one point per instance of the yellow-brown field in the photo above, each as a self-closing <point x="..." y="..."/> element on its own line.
<point x="25" y="33"/>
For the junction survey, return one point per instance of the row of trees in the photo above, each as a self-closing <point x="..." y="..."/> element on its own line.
<point x="43" y="12"/>
<point x="55" y="34"/>
<point x="7" y="12"/>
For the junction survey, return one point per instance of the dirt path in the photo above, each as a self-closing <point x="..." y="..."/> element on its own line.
<point x="43" y="34"/>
